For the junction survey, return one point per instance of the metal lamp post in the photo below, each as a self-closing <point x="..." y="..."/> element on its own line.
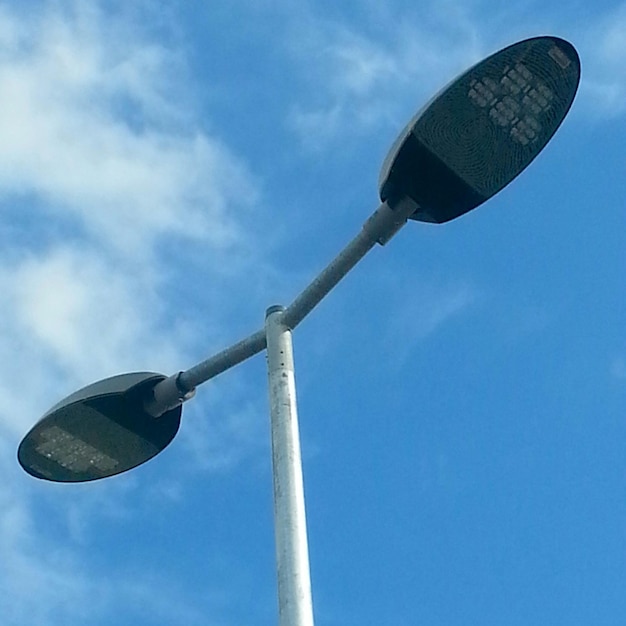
<point x="469" y="142"/>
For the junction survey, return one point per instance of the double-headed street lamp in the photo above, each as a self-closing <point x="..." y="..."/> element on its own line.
<point x="469" y="142"/>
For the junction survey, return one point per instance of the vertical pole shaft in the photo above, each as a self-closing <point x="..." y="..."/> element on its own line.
<point x="292" y="554"/>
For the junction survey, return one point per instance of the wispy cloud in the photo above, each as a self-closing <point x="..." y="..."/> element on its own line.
<point x="364" y="78"/>
<point x="361" y="79"/>
<point x="104" y="169"/>
<point x="40" y="582"/>
<point x="427" y="311"/>
<point x="46" y="578"/>
<point x="221" y="434"/>
<point x="90" y="127"/>
<point x="422" y="308"/>
<point x="73" y="318"/>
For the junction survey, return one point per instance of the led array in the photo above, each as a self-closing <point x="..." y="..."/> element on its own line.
<point x="72" y="453"/>
<point x="505" y="112"/>
<point x="526" y="130"/>
<point x="515" y="102"/>
<point x="483" y="92"/>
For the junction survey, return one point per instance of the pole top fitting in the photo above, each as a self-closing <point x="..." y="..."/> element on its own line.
<point x="276" y="308"/>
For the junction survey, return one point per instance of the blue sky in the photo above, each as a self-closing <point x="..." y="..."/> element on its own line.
<point x="168" y="171"/>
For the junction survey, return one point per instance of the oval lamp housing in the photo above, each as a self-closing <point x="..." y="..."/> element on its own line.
<point x="482" y="130"/>
<point x="99" y="431"/>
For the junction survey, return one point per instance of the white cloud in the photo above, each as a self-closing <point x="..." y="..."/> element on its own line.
<point x="39" y="582"/>
<point x="360" y="63"/>
<point x="219" y="436"/>
<point x="361" y="80"/>
<point x="422" y="308"/>
<point x="101" y="168"/>
<point x="46" y="578"/>
<point x="93" y="124"/>
<point x="422" y="315"/>
<point x="72" y="318"/>
<point x="104" y="169"/>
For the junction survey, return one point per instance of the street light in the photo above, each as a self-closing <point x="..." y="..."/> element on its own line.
<point x="469" y="142"/>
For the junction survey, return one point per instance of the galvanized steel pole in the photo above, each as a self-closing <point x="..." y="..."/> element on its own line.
<point x="292" y="553"/>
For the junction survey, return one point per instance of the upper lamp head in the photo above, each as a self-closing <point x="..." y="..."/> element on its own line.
<point x="99" y="431"/>
<point x="477" y="134"/>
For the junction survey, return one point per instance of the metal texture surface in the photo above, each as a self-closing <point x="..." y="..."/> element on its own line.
<point x="295" y="605"/>
<point x="222" y="361"/>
